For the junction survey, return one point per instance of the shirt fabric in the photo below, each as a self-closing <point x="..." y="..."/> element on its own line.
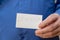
<point x="9" y="10"/>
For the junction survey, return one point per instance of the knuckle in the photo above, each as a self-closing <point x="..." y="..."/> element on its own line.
<point x="55" y="14"/>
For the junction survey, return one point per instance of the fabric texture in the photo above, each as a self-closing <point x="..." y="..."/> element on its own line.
<point x="9" y="10"/>
<point x="58" y="7"/>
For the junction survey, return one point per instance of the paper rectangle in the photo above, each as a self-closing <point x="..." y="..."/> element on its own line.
<point x="30" y="21"/>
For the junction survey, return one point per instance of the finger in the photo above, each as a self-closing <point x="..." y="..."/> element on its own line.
<point x="56" y="32"/>
<point x="48" y="20"/>
<point x="51" y="27"/>
<point x="49" y="34"/>
<point x="53" y="33"/>
<point x="37" y="33"/>
<point x="46" y="35"/>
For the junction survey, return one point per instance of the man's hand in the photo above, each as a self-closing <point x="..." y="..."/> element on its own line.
<point x="50" y="27"/>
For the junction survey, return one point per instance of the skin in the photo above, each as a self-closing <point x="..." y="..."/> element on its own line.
<point x="50" y="27"/>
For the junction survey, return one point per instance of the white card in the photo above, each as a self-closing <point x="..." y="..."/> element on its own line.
<point x="30" y="21"/>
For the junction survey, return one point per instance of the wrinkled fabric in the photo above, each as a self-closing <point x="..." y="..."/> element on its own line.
<point x="0" y="2"/>
<point x="3" y="1"/>
<point x="8" y="13"/>
<point x="58" y="7"/>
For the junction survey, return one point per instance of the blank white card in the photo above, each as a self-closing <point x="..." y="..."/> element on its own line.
<point x="29" y="21"/>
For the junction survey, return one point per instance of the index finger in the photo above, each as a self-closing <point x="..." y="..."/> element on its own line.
<point x="48" y="20"/>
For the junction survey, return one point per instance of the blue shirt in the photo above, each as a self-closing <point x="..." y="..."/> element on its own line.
<point x="9" y="10"/>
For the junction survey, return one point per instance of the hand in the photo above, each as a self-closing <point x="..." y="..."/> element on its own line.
<point x="50" y="27"/>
